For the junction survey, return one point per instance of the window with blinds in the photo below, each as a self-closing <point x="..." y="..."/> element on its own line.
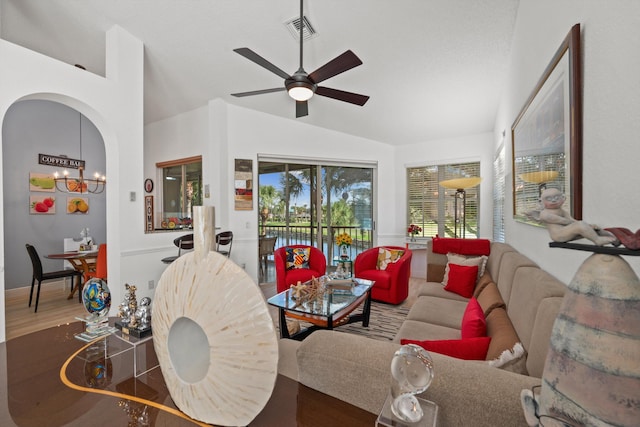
<point x="498" y="195"/>
<point x="432" y="207"/>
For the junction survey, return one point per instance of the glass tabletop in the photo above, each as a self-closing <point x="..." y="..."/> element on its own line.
<point x="331" y="297"/>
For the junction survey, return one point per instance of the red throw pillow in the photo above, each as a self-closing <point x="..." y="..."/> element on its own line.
<point x="473" y="321"/>
<point x="467" y="349"/>
<point x="462" y="279"/>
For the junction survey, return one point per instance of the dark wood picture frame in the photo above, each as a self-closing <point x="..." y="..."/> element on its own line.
<point x="534" y="136"/>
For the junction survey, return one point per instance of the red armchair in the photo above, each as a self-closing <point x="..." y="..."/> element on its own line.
<point x="285" y="278"/>
<point x="392" y="284"/>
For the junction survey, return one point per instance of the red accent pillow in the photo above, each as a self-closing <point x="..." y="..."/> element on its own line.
<point x="444" y="245"/>
<point x="473" y="321"/>
<point x="462" y="279"/>
<point x="467" y="349"/>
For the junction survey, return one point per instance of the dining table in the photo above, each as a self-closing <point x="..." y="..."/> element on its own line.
<point x="83" y="261"/>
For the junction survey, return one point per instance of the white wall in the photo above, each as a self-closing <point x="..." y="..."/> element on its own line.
<point x="229" y="132"/>
<point x="611" y="100"/>
<point x="114" y="105"/>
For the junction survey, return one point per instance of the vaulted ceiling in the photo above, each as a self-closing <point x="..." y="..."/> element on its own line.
<point x="433" y="68"/>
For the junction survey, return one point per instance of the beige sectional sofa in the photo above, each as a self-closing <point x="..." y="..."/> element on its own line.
<point x="356" y="369"/>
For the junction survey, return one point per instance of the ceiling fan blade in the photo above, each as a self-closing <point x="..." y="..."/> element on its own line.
<point x="340" y="64"/>
<point x="258" y="92"/>
<point x="341" y="95"/>
<point x="252" y="56"/>
<point x="302" y="109"/>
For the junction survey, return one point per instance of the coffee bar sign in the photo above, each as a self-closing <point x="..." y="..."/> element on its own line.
<point x="59" y="161"/>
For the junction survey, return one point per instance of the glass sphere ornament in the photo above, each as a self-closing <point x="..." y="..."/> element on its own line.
<point x="96" y="297"/>
<point x="411" y="374"/>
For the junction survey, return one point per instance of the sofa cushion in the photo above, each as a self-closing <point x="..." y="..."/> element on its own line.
<point x="483" y="281"/>
<point x="416" y="330"/>
<point x="490" y="298"/>
<point x="473" y="321"/>
<point x="512" y="360"/>
<point x="435" y="272"/>
<point x="387" y="256"/>
<point x="502" y="333"/>
<point x="438" y="311"/>
<point x="297" y="258"/>
<point x="432" y="289"/>
<point x="452" y="258"/>
<point x="467" y="349"/>
<point x="462" y="279"/>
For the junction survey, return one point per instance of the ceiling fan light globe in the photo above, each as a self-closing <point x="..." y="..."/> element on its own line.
<point x="300" y="93"/>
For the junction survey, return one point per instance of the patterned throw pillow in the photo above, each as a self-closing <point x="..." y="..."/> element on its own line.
<point x="387" y="256"/>
<point x="297" y="257"/>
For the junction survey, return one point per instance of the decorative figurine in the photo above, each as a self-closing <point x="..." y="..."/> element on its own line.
<point x="563" y="227"/>
<point x="123" y="309"/>
<point x="143" y="314"/>
<point x="133" y="306"/>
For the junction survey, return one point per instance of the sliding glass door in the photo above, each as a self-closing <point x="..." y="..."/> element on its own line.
<point x="311" y="204"/>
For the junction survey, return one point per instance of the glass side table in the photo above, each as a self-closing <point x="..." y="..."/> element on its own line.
<point x="138" y="352"/>
<point x="387" y="419"/>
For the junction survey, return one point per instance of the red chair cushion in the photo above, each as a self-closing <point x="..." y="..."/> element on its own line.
<point x="300" y="275"/>
<point x="381" y="277"/>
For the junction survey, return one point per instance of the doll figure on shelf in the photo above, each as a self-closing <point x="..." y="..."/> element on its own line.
<point x="563" y="227"/>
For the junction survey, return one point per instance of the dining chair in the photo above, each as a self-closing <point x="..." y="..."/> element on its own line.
<point x="267" y="247"/>
<point x="101" y="265"/>
<point x="41" y="276"/>
<point x="183" y="242"/>
<point x="224" y="241"/>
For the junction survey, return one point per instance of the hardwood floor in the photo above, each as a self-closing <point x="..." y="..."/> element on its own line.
<point x="54" y="309"/>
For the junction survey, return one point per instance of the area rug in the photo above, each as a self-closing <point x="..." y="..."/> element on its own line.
<point x="384" y="322"/>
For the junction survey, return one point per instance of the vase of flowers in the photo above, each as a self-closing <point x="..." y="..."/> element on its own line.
<point x="344" y="241"/>
<point x="413" y="230"/>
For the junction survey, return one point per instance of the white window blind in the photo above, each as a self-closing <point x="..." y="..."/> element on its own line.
<point x="431" y="206"/>
<point x="499" y="189"/>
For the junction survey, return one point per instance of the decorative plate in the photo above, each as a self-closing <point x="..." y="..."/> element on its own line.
<point x="214" y="339"/>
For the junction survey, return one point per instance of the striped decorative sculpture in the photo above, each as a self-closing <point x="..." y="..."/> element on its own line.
<point x="592" y="372"/>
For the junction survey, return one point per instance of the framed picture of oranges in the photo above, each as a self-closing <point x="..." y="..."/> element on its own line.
<point x="78" y="205"/>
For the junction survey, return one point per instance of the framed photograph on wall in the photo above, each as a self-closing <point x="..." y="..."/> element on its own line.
<point x="42" y="205"/>
<point x="547" y="136"/>
<point x="42" y="182"/>
<point x="243" y="183"/>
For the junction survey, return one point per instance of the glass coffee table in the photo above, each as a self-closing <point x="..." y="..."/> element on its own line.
<point x="330" y="307"/>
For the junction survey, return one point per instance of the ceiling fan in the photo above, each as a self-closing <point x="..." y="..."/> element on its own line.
<point x="300" y="85"/>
